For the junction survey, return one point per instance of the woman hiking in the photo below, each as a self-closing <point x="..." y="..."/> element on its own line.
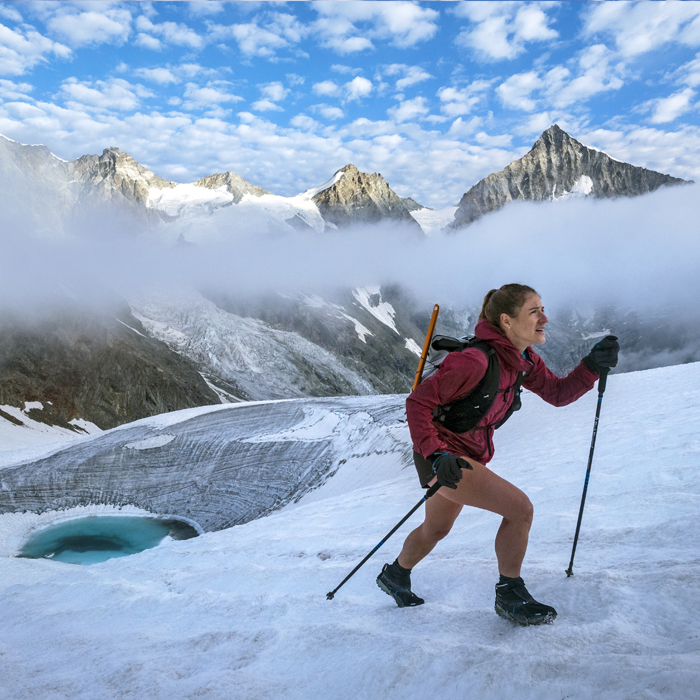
<point x="511" y="321"/>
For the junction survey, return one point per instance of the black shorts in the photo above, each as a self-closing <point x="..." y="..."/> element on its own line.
<point x="424" y="469"/>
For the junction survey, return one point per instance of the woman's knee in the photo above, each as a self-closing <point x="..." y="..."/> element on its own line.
<point x="525" y="510"/>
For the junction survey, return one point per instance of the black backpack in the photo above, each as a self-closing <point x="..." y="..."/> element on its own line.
<point x="462" y="415"/>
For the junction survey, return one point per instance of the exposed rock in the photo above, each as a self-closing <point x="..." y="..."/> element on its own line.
<point x="558" y="166"/>
<point x="115" y="175"/>
<point x="412" y="205"/>
<point x="357" y="198"/>
<point x="99" y="366"/>
<point x="234" y="184"/>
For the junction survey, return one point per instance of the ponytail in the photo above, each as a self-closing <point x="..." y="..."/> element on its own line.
<point x="506" y="300"/>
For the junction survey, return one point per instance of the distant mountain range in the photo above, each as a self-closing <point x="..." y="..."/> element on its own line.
<point x="138" y="357"/>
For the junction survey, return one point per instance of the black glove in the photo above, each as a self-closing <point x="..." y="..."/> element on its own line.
<point x="603" y="355"/>
<point x="448" y="468"/>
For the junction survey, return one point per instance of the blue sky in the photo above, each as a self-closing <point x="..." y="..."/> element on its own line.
<point x="434" y="95"/>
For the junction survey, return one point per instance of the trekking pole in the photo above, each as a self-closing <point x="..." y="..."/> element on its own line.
<point x="426" y="346"/>
<point x="601" y="388"/>
<point x="432" y="490"/>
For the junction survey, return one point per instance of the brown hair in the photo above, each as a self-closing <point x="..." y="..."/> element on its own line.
<point x="506" y="300"/>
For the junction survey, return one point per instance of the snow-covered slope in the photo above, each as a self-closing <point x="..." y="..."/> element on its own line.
<point x="242" y="613"/>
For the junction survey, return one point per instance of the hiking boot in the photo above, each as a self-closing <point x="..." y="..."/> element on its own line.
<point x="513" y="602"/>
<point x="396" y="581"/>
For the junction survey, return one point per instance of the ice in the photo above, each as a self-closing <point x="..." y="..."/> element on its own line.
<point x="433" y="221"/>
<point x="242" y="612"/>
<point x="382" y="311"/>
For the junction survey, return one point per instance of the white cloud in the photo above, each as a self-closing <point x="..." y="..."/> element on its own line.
<point x="162" y="76"/>
<point x="409" y="110"/>
<point x="271" y="93"/>
<point x="459" y="101"/>
<point x="500" y="30"/>
<point x="595" y="74"/>
<point x="111" y="25"/>
<point x="205" y="7"/>
<point x="114" y="94"/>
<point x="638" y="27"/>
<point x="148" y="42"/>
<point x="265" y="105"/>
<point x="357" y="88"/>
<point x="22" y="49"/>
<point x="304" y="122"/>
<point x="345" y="70"/>
<point x="171" y="33"/>
<point x="213" y="93"/>
<point x="10" y="12"/>
<point x="349" y="27"/>
<point x="668" y="109"/>
<point x="516" y="91"/>
<point x="326" y="87"/>
<point x="14" y="91"/>
<point x="328" y="111"/>
<point x="280" y="31"/>
<point x="412" y="75"/>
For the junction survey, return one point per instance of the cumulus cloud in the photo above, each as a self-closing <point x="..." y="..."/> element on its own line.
<point x="10" y="12"/>
<point x="516" y="91"/>
<point x="270" y="95"/>
<point x="213" y="93"/>
<point x="639" y="27"/>
<point x="10" y="90"/>
<point x="23" y="48"/>
<point x="501" y="30"/>
<point x="460" y="101"/>
<point x="412" y="75"/>
<point x="350" y="27"/>
<point x="326" y="87"/>
<point x="171" y="32"/>
<point x="111" y="25"/>
<point x="264" y="36"/>
<point x="668" y="109"/>
<point x="162" y="76"/>
<point x="101" y="95"/>
<point x="358" y="88"/>
<point x="408" y="110"/>
<point x="328" y="111"/>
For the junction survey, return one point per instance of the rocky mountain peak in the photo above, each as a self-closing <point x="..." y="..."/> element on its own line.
<point x="115" y="174"/>
<point x="357" y="197"/>
<point x="234" y="184"/>
<point x="558" y="166"/>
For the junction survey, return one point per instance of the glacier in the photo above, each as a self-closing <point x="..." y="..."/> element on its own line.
<point x="241" y="612"/>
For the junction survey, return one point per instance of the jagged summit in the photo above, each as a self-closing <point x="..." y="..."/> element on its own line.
<point x="116" y="174"/>
<point x="235" y="185"/>
<point x="354" y="197"/>
<point x="558" y="166"/>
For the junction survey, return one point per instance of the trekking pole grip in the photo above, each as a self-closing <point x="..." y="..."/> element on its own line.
<point x="603" y="380"/>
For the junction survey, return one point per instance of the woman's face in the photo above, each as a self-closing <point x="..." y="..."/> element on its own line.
<point x="527" y="328"/>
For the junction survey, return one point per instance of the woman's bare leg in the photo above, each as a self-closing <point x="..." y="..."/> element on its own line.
<point x="483" y="489"/>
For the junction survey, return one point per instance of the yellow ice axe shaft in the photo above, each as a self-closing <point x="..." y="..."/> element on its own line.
<point x="426" y="346"/>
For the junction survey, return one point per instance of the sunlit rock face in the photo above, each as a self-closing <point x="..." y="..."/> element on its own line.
<point x="558" y="166"/>
<point x="219" y="467"/>
<point x="357" y="198"/>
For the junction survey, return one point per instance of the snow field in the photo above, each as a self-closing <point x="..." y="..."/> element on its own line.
<point x="242" y="613"/>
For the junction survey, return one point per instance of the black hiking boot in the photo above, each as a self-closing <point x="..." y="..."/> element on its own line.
<point x="396" y="581"/>
<point x="513" y="602"/>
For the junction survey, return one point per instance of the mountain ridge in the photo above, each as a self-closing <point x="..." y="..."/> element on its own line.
<point x="558" y="166"/>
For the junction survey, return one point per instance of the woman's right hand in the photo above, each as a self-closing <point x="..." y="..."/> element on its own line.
<point x="448" y="468"/>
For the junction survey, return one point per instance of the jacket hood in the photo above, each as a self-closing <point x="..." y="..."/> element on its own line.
<point x="506" y="351"/>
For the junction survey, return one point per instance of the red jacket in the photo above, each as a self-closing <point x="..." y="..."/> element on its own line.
<point x="459" y="374"/>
